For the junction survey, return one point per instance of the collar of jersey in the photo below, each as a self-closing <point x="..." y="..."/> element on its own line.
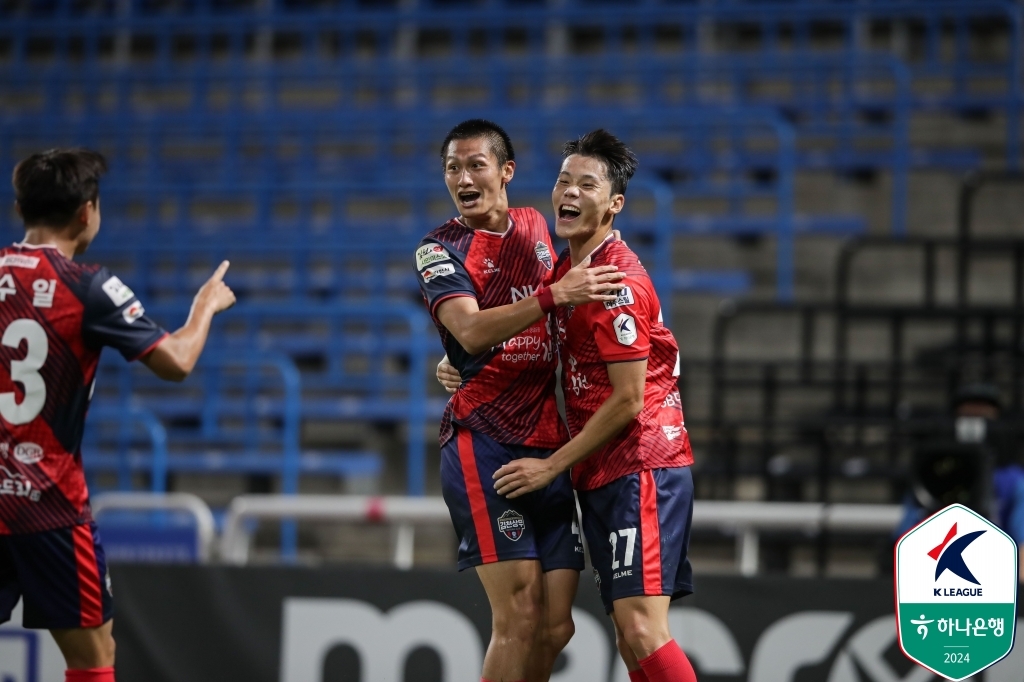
<point x="23" y="245"/>
<point x="607" y="240"/>
<point x="501" y="235"/>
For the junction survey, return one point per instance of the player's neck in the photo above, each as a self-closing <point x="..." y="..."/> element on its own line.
<point x="45" y="236"/>
<point x="495" y="220"/>
<point x="582" y="246"/>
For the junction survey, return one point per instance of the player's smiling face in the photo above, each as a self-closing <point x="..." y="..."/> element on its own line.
<point x="583" y="199"/>
<point x="474" y="178"/>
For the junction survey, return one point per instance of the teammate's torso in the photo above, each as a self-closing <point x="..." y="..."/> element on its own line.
<point x="508" y="390"/>
<point x="53" y="327"/>
<point x="627" y="329"/>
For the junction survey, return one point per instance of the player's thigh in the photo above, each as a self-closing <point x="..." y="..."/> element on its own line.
<point x="10" y="590"/>
<point x="675" y="516"/>
<point x="86" y="648"/>
<point x="515" y="590"/>
<point x="490" y="527"/>
<point x="560" y="587"/>
<point x="63" y="579"/>
<point x="611" y="523"/>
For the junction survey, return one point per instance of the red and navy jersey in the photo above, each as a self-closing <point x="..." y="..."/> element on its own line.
<point x="627" y="329"/>
<point x="55" y="317"/>
<point x="508" y="391"/>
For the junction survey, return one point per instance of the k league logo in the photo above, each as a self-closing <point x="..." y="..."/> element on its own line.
<point x="956" y="593"/>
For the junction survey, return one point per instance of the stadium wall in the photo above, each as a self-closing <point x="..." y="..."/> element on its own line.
<point x="279" y="624"/>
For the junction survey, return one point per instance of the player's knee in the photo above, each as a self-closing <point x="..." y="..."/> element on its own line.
<point x="559" y="634"/>
<point x="640" y="633"/>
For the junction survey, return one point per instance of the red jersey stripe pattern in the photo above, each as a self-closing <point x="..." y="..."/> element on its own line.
<point x="508" y="391"/>
<point x="55" y="318"/>
<point x="625" y="330"/>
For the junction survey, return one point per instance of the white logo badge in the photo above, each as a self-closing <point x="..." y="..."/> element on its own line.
<point x="43" y="290"/>
<point x="133" y="312"/>
<point x="16" y="261"/>
<point x="672" y="432"/>
<point x="28" y="453"/>
<point x="442" y="270"/>
<point x="625" y="329"/>
<point x="118" y="291"/>
<point x="430" y="254"/>
<point x="7" y="287"/>
<point x="625" y="298"/>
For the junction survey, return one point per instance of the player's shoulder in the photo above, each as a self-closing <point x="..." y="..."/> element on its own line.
<point x="450" y="232"/>
<point x="529" y="217"/>
<point x="616" y="252"/>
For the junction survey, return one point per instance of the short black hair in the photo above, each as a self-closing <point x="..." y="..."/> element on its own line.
<point x="51" y="186"/>
<point x="619" y="160"/>
<point x="497" y="138"/>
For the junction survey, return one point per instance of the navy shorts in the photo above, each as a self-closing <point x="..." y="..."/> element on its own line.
<point x="638" y="531"/>
<point x="540" y="525"/>
<point x="61" y="574"/>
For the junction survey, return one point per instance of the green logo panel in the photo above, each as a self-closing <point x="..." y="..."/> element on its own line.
<point x="956" y="640"/>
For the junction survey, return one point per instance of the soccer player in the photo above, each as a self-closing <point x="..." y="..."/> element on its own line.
<point x="629" y="453"/>
<point x="485" y="277"/>
<point x="56" y="316"/>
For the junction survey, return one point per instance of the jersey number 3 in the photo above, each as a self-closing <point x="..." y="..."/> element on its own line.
<point x="25" y="372"/>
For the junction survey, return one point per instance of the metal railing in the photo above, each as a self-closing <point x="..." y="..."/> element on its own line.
<point x="185" y="502"/>
<point x="746" y="519"/>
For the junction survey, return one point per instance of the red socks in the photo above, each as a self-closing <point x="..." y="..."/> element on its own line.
<point x="91" y="675"/>
<point x="668" y="664"/>
<point x="638" y="676"/>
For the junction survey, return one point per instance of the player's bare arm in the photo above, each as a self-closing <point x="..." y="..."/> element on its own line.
<point x="525" y="475"/>
<point x="477" y="330"/>
<point x="175" y="357"/>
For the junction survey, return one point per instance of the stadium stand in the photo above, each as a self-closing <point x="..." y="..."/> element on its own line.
<point x="298" y="140"/>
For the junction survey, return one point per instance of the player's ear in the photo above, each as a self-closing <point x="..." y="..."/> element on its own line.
<point x="618" y="201"/>
<point x="507" y="172"/>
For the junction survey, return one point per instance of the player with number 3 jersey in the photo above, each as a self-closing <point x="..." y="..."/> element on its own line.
<point x="55" y="318"/>
<point x="630" y="453"/>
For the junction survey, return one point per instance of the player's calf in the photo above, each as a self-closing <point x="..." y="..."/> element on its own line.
<point x="643" y="623"/>
<point x="88" y="652"/>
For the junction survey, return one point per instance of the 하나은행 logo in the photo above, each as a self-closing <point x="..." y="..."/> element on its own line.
<point x="956" y="593"/>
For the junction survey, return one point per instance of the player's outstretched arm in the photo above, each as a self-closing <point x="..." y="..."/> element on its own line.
<point x="477" y="330"/>
<point x="177" y="354"/>
<point x="525" y="475"/>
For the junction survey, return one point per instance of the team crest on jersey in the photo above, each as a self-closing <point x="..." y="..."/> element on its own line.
<point x="544" y="255"/>
<point x="512" y="525"/>
<point x="28" y="453"/>
<point x="430" y="254"/>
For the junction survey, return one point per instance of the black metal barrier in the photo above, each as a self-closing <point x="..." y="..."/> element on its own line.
<point x="272" y="624"/>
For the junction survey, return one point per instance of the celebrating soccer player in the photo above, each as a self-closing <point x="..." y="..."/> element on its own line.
<point x="56" y="316"/>
<point x="486" y="276"/>
<point x="629" y="453"/>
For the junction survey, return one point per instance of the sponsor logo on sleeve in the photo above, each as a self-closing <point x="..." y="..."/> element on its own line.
<point x="543" y="255"/>
<point x="442" y="270"/>
<point x="133" y="312"/>
<point x="17" y="261"/>
<point x="625" y="329"/>
<point x="118" y="291"/>
<point x="28" y="453"/>
<point x="625" y="297"/>
<point x="512" y="525"/>
<point x="429" y="254"/>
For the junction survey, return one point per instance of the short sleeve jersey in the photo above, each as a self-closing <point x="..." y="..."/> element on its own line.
<point x="55" y="318"/>
<point x="508" y="391"/>
<point x="628" y="329"/>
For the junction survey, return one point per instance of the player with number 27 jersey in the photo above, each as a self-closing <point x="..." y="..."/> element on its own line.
<point x="57" y="316"/>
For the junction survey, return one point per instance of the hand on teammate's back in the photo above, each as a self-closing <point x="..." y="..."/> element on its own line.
<point x="215" y="293"/>
<point x="584" y="284"/>
<point x="448" y="376"/>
